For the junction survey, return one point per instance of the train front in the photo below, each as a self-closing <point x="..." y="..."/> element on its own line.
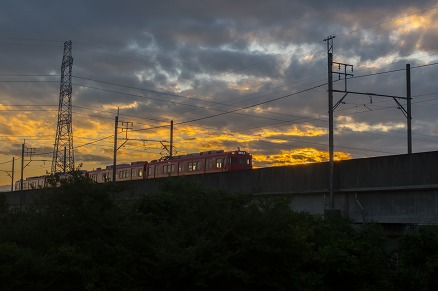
<point x="239" y="160"/>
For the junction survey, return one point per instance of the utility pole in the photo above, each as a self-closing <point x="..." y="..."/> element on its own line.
<point x="30" y="152"/>
<point x="342" y="74"/>
<point x="329" y="41"/>
<point x="22" y="164"/>
<point x="409" y="113"/>
<point x="22" y="172"/>
<point x="116" y="124"/>
<point x="126" y="126"/>
<point x="12" y="174"/>
<point x="171" y="139"/>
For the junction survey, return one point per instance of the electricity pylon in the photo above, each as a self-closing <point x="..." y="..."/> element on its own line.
<point x="63" y="156"/>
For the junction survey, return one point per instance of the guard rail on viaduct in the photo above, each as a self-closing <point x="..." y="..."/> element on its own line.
<point x="399" y="189"/>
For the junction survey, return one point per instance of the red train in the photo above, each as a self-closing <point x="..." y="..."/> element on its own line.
<point x="199" y="163"/>
<point x="190" y="164"/>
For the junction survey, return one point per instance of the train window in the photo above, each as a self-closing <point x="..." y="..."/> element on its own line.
<point x="209" y="164"/>
<point x="193" y="166"/>
<point x="106" y="177"/>
<point x="180" y="167"/>
<point x="140" y="172"/>
<point x="150" y="171"/>
<point x="234" y="160"/>
<point x="167" y="169"/>
<point x="218" y="163"/>
<point x="248" y="162"/>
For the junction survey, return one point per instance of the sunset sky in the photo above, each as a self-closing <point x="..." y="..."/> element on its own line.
<point x="241" y="73"/>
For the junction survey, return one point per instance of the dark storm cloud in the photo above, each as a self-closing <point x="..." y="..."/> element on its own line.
<point x="223" y="55"/>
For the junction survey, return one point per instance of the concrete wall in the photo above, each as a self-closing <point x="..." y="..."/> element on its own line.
<point x="388" y="171"/>
<point x="390" y="189"/>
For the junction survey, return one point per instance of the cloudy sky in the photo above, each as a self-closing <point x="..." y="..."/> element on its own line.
<point x="241" y="73"/>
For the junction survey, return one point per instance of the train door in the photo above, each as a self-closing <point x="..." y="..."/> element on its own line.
<point x="151" y="171"/>
<point x="225" y="164"/>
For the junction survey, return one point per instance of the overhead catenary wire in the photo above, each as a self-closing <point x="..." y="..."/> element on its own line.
<point x="368" y="75"/>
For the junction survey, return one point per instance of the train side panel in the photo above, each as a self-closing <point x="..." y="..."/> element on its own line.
<point x="190" y="164"/>
<point x="200" y="163"/>
<point x="124" y="172"/>
<point x="37" y="182"/>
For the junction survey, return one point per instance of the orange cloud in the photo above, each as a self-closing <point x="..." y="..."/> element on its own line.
<point x="413" y="23"/>
<point x="297" y="156"/>
<point x="143" y="145"/>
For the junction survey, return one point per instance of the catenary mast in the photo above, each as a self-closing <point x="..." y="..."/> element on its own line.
<point x="63" y="157"/>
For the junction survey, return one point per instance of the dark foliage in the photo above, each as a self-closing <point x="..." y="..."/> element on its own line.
<point x="77" y="237"/>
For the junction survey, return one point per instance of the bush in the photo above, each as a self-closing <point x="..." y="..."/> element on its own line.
<point x="186" y="238"/>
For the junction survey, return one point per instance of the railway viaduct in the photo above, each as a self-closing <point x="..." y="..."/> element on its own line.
<point x="393" y="190"/>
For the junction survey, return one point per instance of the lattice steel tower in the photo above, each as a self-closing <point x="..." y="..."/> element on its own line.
<point x="63" y="157"/>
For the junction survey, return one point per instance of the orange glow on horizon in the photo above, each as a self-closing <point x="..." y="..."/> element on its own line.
<point x="39" y="131"/>
<point x="297" y="157"/>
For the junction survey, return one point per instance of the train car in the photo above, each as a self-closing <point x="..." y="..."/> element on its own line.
<point x="124" y="172"/>
<point x="36" y="182"/>
<point x="190" y="164"/>
<point x="100" y="175"/>
<point x="199" y="163"/>
<point x="39" y="182"/>
<point x="133" y="171"/>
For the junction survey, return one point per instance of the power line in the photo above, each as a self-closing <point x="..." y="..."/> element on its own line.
<point x="27" y="81"/>
<point x="30" y="75"/>
<point x="247" y="107"/>
<point x="121" y="114"/>
<point x="6" y="162"/>
<point x="390" y="20"/>
<point x="190" y="105"/>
